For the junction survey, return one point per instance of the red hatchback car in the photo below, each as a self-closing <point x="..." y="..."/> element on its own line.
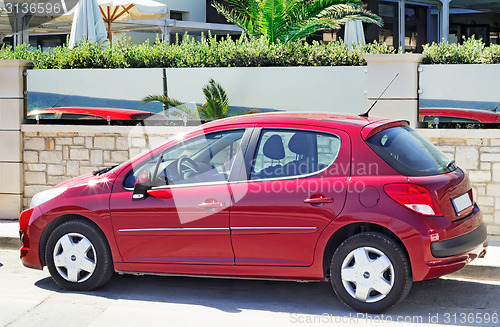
<point x="365" y="203"/>
<point x="92" y="113"/>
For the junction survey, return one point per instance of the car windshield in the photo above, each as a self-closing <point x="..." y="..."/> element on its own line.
<point x="409" y="153"/>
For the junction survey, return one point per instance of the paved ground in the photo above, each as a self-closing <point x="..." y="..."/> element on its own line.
<point x="30" y="298"/>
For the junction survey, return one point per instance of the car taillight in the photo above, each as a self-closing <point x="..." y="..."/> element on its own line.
<point x="414" y="197"/>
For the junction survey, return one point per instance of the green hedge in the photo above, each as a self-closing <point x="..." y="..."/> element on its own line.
<point x="208" y="52"/>
<point x="243" y="52"/>
<point x="470" y="52"/>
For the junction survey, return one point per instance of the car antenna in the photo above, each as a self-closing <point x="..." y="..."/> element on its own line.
<point x="61" y="100"/>
<point x="381" y="94"/>
<point x="495" y="109"/>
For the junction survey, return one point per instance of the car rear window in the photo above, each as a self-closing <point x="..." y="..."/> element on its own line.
<point x="409" y="153"/>
<point x="287" y="153"/>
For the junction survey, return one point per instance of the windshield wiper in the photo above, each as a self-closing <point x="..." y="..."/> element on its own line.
<point x="449" y="164"/>
<point x="103" y="170"/>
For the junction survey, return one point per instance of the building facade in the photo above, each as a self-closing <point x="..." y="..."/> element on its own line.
<point x="407" y="24"/>
<point x="184" y="16"/>
<point x="411" y="24"/>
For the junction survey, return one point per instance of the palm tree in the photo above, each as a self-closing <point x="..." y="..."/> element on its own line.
<point x="215" y="107"/>
<point x="291" y="20"/>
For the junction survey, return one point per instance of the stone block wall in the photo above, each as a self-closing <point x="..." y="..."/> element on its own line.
<point x="54" y="154"/>
<point x="478" y="152"/>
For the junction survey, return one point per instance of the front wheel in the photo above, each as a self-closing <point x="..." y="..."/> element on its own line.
<point x="78" y="256"/>
<point x="369" y="272"/>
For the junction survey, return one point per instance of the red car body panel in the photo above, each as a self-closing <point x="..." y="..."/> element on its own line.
<point x="256" y="234"/>
<point x="112" y="113"/>
<point x="481" y="116"/>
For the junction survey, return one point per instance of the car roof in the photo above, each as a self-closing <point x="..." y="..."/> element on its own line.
<point x="114" y="113"/>
<point x="332" y="120"/>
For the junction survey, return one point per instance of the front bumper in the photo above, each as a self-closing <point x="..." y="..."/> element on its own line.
<point x="460" y="244"/>
<point x="30" y="235"/>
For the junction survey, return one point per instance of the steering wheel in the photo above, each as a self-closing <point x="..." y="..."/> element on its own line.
<point x="189" y="163"/>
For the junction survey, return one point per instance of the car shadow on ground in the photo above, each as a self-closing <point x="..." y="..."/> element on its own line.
<point x="427" y="300"/>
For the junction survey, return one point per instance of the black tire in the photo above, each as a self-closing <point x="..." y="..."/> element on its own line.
<point x="86" y="264"/>
<point x="393" y="282"/>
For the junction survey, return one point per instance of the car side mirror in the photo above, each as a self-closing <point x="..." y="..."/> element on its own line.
<point x="142" y="185"/>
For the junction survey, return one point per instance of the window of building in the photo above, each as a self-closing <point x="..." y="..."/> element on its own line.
<point x="177" y="15"/>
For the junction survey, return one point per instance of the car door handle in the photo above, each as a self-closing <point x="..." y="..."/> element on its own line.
<point x="212" y="205"/>
<point x="318" y="200"/>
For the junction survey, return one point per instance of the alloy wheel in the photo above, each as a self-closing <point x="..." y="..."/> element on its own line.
<point x="75" y="257"/>
<point x="367" y="274"/>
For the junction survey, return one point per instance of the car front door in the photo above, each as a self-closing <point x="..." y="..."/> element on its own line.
<point x="185" y="217"/>
<point x="297" y="184"/>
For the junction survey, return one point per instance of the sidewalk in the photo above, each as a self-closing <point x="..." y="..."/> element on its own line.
<point x="487" y="268"/>
<point x="9" y="234"/>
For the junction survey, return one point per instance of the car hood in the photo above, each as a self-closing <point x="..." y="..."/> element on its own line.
<point x="86" y="179"/>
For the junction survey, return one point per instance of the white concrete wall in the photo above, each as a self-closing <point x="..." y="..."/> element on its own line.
<point x="460" y="82"/>
<point x="124" y="84"/>
<point x="327" y="89"/>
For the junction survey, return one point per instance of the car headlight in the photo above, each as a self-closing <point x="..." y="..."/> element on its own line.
<point x="45" y="196"/>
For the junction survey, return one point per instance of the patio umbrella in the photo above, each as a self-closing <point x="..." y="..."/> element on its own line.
<point x="354" y="33"/>
<point x="87" y="24"/>
<point x="125" y="10"/>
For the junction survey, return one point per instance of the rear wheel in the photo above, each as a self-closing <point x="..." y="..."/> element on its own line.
<point x="369" y="272"/>
<point x="78" y="256"/>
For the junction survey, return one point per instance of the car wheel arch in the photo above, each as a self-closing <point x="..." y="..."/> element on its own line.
<point x="346" y="231"/>
<point x="56" y="223"/>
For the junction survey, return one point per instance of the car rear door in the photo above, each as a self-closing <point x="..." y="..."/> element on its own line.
<point x="296" y="184"/>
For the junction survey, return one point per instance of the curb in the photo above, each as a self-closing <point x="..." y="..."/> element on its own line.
<point x="9" y="243"/>
<point x="479" y="273"/>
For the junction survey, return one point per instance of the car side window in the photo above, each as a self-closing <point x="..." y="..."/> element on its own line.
<point x="203" y="159"/>
<point x="287" y="153"/>
<point x="80" y="116"/>
<point x="43" y="116"/>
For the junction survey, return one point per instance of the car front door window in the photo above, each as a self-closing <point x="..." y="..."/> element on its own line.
<point x="204" y="159"/>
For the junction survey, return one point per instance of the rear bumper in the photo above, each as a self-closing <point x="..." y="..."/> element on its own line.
<point x="446" y="266"/>
<point x="460" y="244"/>
<point x="454" y="253"/>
